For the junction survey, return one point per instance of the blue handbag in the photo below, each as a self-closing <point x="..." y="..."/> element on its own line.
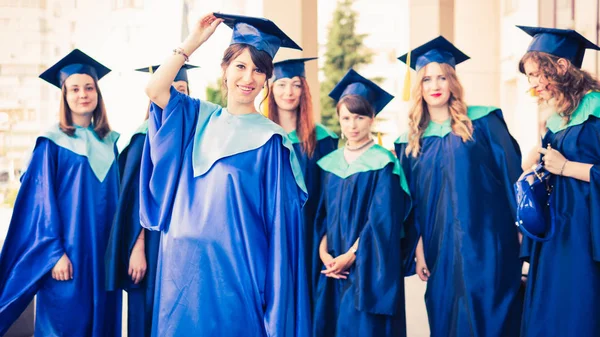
<point x="534" y="218"/>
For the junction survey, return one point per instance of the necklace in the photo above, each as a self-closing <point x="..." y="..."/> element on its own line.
<point x="357" y="148"/>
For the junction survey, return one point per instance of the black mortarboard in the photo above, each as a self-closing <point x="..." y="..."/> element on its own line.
<point x="564" y="43"/>
<point x="354" y="84"/>
<point x="76" y="62"/>
<point x="437" y="50"/>
<point x="290" y="68"/>
<point x="181" y="75"/>
<point x="260" y="33"/>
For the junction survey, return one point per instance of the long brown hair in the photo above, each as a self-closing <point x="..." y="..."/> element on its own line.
<point x="419" y="118"/>
<point x="99" y="118"/>
<point x="260" y="58"/>
<point x="305" y="123"/>
<point x="569" y="88"/>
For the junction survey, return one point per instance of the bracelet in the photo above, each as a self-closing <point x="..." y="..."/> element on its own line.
<point x="182" y="53"/>
<point x="563" y="167"/>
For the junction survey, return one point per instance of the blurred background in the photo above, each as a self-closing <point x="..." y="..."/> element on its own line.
<point x="365" y="34"/>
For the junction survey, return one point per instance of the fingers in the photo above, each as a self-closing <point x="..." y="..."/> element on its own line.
<point x="215" y="23"/>
<point x="543" y="151"/>
<point x="340" y="276"/>
<point x="423" y="273"/>
<point x="137" y="274"/>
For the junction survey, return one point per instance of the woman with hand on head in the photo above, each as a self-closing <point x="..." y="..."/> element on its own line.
<point x="132" y="252"/>
<point x="563" y="286"/>
<point x="63" y="215"/>
<point x="225" y="188"/>
<point x="290" y="105"/>
<point x="361" y="214"/>
<point x="461" y="163"/>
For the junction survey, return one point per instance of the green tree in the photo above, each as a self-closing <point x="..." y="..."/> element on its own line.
<point x="345" y="50"/>
<point x="214" y="94"/>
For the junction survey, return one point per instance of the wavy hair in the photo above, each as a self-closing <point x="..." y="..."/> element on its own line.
<point x="419" y="118"/>
<point x="567" y="88"/>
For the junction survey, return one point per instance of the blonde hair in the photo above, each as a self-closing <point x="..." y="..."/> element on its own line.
<point x="419" y="118"/>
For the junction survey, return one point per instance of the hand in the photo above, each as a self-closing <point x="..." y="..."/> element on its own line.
<point x="204" y="28"/>
<point x="337" y="268"/>
<point x="553" y="160"/>
<point x="137" y="265"/>
<point x="526" y="172"/>
<point x="422" y="270"/>
<point x="63" y="269"/>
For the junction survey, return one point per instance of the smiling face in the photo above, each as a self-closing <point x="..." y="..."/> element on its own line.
<point x="81" y="94"/>
<point x="244" y="79"/>
<point x="287" y="93"/>
<point x="435" y="86"/>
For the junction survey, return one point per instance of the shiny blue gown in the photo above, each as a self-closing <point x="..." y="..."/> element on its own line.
<point x="563" y="288"/>
<point x="226" y="191"/>
<point x="327" y="141"/>
<point x="125" y="231"/>
<point x="464" y="208"/>
<point x="66" y="205"/>
<point x="367" y="199"/>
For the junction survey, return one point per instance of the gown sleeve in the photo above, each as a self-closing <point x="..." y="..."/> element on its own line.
<point x="287" y="311"/>
<point x="33" y="244"/>
<point x="378" y="271"/>
<point x="170" y="131"/>
<point x="411" y="228"/>
<point x="507" y="153"/>
<point x="126" y="225"/>
<point x="595" y="189"/>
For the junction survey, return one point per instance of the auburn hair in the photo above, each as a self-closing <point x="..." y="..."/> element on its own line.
<point x="305" y="123"/>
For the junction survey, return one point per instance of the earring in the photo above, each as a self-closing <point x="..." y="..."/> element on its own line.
<point x="342" y="135"/>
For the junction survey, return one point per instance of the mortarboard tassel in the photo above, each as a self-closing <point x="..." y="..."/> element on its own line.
<point x="379" y="141"/>
<point x="150" y="70"/>
<point x="406" y="92"/>
<point x="533" y="92"/>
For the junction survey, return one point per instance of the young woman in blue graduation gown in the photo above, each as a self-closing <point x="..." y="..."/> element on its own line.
<point x="461" y="163"/>
<point x="132" y="252"/>
<point x="360" y="217"/>
<point x="563" y="287"/>
<point x="225" y="188"/>
<point x="63" y="214"/>
<point x="290" y="105"/>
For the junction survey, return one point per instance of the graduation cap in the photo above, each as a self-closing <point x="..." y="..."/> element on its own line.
<point x="437" y="50"/>
<point x="181" y="75"/>
<point x="290" y="68"/>
<point x="76" y="62"/>
<point x="355" y="84"/>
<point x="260" y="33"/>
<point x="564" y="43"/>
